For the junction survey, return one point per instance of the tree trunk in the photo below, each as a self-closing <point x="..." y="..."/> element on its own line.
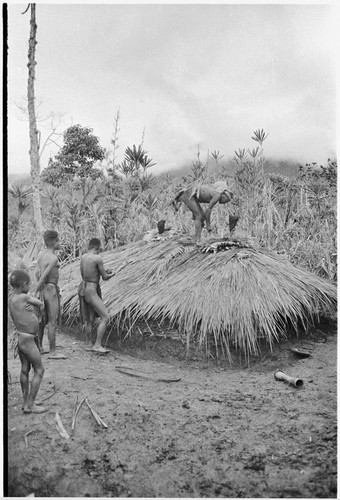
<point x="34" y="141"/>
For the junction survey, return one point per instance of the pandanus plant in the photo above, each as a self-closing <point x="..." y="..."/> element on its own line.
<point x="135" y="157"/>
<point x="20" y="193"/>
<point x="216" y="155"/>
<point x="260" y="136"/>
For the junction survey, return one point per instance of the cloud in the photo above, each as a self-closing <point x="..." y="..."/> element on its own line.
<point x="189" y="75"/>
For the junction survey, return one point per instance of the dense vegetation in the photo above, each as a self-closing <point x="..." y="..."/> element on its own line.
<point x="85" y="193"/>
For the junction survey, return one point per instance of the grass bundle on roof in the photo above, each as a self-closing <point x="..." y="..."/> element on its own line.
<point x="234" y="296"/>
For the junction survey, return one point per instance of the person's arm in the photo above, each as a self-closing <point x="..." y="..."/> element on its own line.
<point x="34" y="301"/>
<point x="106" y="276"/>
<point x="215" y="199"/>
<point x="37" y="273"/>
<point x="46" y="272"/>
<point x="82" y="268"/>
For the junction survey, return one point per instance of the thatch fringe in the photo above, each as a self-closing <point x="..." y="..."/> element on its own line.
<point x="233" y="297"/>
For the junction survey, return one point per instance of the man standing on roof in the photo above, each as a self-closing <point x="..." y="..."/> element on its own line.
<point x="91" y="304"/>
<point x="48" y="276"/>
<point x="192" y="197"/>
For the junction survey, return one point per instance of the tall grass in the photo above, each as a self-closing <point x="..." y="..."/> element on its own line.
<point x="294" y="216"/>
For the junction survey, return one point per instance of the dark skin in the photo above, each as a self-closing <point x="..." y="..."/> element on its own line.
<point x="21" y="306"/>
<point x="91" y="269"/>
<point x="48" y="276"/>
<point x="207" y="194"/>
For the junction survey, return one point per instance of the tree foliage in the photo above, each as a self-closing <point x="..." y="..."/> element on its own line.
<point x="76" y="158"/>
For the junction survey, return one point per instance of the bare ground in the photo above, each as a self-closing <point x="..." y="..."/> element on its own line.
<point x="219" y="431"/>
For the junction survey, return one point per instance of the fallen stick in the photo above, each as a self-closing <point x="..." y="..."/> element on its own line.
<point x="146" y="377"/>
<point x="27" y="433"/>
<point x="50" y="396"/>
<point x="76" y="411"/>
<point x="95" y="414"/>
<point x="60" y="428"/>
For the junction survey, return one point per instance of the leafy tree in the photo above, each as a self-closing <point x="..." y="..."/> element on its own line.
<point x="76" y="158"/>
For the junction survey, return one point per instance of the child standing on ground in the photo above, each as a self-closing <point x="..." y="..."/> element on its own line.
<point x="27" y="329"/>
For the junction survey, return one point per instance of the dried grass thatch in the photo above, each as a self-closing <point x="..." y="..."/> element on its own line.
<point x="234" y="297"/>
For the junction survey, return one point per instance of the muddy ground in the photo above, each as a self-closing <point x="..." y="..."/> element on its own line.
<point x="219" y="431"/>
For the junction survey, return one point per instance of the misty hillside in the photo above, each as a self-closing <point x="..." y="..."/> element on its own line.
<point x="287" y="168"/>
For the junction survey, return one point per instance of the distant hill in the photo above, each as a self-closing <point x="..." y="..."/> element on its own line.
<point x="19" y="178"/>
<point x="287" y="168"/>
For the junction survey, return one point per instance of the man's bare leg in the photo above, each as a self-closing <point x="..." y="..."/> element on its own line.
<point x="207" y="214"/>
<point x="41" y="335"/>
<point x="100" y="334"/>
<point x="30" y="355"/>
<point x="98" y="306"/>
<point x="197" y="213"/>
<point x="52" y="305"/>
<point x="89" y="324"/>
<point x="24" y="374"/>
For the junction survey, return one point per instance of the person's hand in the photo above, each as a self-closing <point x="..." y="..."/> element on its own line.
<point x="29" y="307"/>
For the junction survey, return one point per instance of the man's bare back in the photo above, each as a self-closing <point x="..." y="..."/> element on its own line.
<point x="90" y="265"/>
<point x="48" y="266"/>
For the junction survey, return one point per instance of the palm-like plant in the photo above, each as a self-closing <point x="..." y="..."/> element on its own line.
<point x="241" y="155"/>
<point x="150" y="202"/>
<point x="74" y="220"/>
<point x="135" y="159"/>
<point x="147" y="181"/>
<point x="54" y="196"/>
<point x="20" y="193"/>
<point x="13" y="225"/>
<point x="125" y="168"/>
<point x="135" y="156"/>
<point x="147" y="163"/>
<point x="255" y="153"/>
<point x="216" y="155"/>
<point x="97" y="213"/>
<point x="260" y="136"/>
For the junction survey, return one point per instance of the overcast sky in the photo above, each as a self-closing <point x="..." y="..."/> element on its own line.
<point x="190" y="75"/>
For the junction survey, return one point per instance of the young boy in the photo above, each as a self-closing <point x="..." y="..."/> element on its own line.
<point x="27" y="327"/>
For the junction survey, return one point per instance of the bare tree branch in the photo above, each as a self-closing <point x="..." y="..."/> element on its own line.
<point x="28" y="6"/>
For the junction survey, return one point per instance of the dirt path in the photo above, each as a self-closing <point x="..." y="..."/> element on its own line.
<point x="218" y="432"/>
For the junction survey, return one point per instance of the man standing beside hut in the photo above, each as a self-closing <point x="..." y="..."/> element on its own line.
<point x="91" y="304"/>
<point x="48" y="276"/>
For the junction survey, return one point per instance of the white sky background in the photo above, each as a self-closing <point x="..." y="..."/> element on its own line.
<point x="206" y="75"/>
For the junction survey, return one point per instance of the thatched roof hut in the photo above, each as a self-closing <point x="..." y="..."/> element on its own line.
<point x="228" y="291"/>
